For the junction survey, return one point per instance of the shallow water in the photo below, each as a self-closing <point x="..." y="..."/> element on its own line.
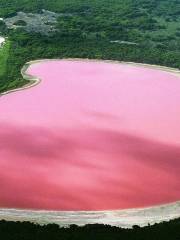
<point x="91" y="136"/>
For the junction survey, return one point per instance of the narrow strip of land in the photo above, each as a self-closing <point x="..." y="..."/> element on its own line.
<point x="122" y="218"/>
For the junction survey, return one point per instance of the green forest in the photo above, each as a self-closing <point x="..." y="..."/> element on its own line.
<point x="29" y="231"/>
<point x="145" y="31"/>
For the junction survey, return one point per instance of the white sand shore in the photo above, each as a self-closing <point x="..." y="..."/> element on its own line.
<point x="32" y="81"/>
<point x="123" y="218"/>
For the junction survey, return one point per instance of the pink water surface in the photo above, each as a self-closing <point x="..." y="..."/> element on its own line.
<point x="91" y="136"/>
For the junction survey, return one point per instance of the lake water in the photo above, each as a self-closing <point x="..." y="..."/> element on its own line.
<point x="91" y="136"/>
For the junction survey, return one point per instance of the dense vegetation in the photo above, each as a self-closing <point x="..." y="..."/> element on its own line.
<point x="95" y="29"/>
<point x="4" y="53"/>
<point x="28" y="231"/>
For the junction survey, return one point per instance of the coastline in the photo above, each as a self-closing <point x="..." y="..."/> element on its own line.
<point x="125" y="218"/>
<point x="122" y="218"/>
<point x="33" y="81"/>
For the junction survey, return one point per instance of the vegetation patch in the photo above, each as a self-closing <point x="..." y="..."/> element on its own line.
<point x="20" y="23"/>
<point x="4" y="53"/>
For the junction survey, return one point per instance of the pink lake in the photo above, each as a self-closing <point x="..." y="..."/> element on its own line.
<point x="91" y="136"/>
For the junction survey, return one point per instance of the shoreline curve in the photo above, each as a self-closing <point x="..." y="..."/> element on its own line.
<point x="125" y="218"/>
<point x="33" y="81"/>
<point x="128" y="217"/>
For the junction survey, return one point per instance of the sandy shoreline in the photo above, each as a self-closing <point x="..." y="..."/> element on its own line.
<point x="33" y="81"/>
<point x="123" y="218"/>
